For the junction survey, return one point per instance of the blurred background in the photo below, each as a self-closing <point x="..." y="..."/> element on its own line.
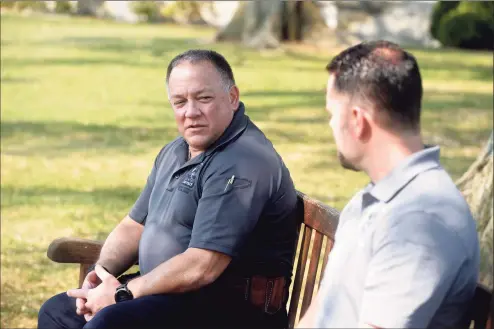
<point x="84" y="108"/>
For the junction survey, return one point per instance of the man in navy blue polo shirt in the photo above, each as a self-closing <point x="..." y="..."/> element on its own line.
<point x="213" y="230"/>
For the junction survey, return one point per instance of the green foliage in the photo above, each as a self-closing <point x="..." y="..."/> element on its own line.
<point x="440" y="9"/>
<point x="149" y="10"/>
<point x="184" y="11"/>
<point x="482" y="8"/>
<point x="63" y="7"/>
<point x="470" y="25"/>
<point x="7" y="4"/>
<point x="23" y="5"/>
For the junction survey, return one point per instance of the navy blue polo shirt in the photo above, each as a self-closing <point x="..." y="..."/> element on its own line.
<point x="236" y="198"/>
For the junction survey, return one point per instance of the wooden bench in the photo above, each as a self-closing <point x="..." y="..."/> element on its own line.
<point x="316" y="237"/>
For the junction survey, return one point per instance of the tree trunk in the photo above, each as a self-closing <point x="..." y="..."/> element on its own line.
<point x="477" y="187"/>
<point x="265" y="24"/>
<point x="90" y="8"/>
<point x="255" y="24"/>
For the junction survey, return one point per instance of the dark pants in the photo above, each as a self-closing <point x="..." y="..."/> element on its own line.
<point x="196" y="310"/>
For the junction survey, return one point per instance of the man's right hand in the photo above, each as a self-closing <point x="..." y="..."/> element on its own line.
<point x="90" y="282"/>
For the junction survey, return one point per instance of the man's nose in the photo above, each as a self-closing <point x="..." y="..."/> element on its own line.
<point x="192" y="110"/>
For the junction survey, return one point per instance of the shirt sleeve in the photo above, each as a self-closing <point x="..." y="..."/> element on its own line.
<point x="413" y="266"/>
<point x="229" y="209"/>
<point x="139" y="211"/>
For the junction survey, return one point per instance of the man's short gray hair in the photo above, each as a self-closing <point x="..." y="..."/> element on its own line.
<point x="199" y="55"/>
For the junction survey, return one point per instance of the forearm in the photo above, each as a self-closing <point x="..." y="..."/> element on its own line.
<point x="120" y="250"/>
<point x="184" y="272"/>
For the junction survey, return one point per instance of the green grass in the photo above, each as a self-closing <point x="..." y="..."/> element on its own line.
<point x="84" y="112"/>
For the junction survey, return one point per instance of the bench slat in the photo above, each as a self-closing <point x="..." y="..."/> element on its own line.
<point x="311" y="275"/>
<point x="325" y="256"/>
<point x="299" y="276"/>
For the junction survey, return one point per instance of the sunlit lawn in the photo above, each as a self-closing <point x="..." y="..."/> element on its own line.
<point x="84" y="112"/>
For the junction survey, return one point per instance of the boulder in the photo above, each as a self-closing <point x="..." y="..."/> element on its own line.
<point x="404" y="22"/>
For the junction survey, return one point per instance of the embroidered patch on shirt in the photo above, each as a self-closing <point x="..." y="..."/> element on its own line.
<point x="190" y="177"/>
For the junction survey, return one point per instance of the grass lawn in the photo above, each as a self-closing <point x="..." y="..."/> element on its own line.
<point x="84" y="112"/>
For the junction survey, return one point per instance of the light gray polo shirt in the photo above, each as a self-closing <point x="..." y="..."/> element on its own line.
<point x="406" y="252"/>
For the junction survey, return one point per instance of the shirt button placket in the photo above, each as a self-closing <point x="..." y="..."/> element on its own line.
<point x="172" y="182"/>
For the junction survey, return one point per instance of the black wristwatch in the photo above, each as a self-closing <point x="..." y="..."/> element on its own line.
<point x="123" y="293"/>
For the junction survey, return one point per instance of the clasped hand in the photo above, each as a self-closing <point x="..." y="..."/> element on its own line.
<point x="97" y="292"/>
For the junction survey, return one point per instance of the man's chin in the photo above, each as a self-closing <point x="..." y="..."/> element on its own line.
<point x="346" y="164"/>
<point x="198" y="142"/>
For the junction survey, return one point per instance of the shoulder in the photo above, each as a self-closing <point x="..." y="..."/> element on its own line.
<point x="250" y="152"/>
<point x="167" y="148"/>
<point x="434" y="194"/>
<point x="431" y="207"/>
<point x="432" y="228"/>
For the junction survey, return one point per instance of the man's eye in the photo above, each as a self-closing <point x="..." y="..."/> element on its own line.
<point x="205" y="98"/>
<point x="178" y="102"/>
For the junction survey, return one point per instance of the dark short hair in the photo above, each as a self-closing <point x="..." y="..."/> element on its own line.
<point x="199" y="55"/>
<point x="384" y="74"/>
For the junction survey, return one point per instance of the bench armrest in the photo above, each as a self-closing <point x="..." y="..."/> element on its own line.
<point x="74" y="250"/>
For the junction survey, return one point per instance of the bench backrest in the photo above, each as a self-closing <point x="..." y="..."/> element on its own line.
<point x="318" y="224"/>
<point x="316" y="237"/>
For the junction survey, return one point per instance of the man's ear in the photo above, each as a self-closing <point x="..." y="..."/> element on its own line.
<point x="360" y="119"/>
<point x="234" y="97"/>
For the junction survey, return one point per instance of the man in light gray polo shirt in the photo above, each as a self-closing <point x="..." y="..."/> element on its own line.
<point x="406" y="253"/>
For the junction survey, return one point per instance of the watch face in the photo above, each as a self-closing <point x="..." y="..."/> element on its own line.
<point x="122" y="294"/>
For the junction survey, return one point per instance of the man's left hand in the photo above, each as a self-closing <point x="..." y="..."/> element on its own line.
<point x="99" y="297"/>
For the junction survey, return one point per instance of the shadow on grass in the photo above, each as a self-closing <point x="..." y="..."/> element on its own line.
<point x="59" y="138"/>
<point x="446" y="50"/>
<point x="450" y="101"/>
<point x="73" y="61"/>
<point x="429" y="65"/>
<point x="125" y="46"/>
<point x="129" y="51"/>
<point x="433" y="102"/>
<point x="443" y="113"/>
<point x="16" y="80"/>
<point x="461" y="71"/>
<point x="123" y="196"/>
<point x="126" y="52"/>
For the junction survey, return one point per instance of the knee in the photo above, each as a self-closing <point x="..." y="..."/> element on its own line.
<point x="105" y="318"/>
<point x="53" y="309"/>
<point x="51" y="305"/>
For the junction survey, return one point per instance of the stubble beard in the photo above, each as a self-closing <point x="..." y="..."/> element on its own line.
<point x="345" y="163"/>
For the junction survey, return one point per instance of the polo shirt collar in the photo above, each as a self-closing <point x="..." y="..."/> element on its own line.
<point x="401" y="175"/>
<point x="236" y="127"/>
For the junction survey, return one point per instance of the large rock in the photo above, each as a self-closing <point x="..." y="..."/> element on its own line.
<point x="329" y="11"/>
<point x="116" y="10"/>
<point x="404" y="22"/>
<point x="121" y="11"/>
